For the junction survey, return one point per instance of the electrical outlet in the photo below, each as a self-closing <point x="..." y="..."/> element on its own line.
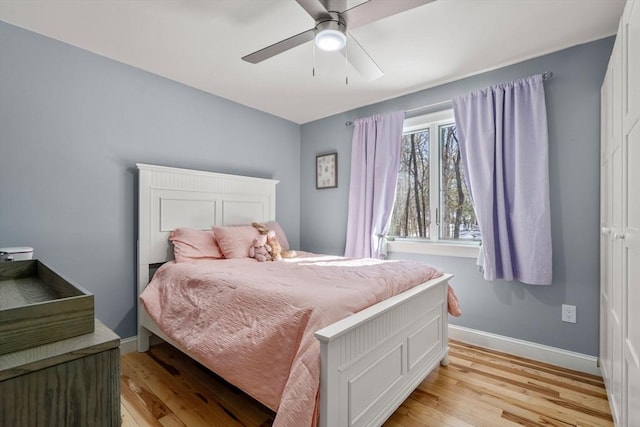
<point x="569" y="313"/>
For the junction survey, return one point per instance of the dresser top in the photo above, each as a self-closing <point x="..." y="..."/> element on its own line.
<point x="40" y="357"/>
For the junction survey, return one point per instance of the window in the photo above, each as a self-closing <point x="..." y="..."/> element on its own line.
<point x="432" y="201"/>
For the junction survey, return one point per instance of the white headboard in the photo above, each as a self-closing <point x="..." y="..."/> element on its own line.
<point x="169" y="198"/>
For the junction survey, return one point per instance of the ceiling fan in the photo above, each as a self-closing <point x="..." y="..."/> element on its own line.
<point x="333" y="20"/>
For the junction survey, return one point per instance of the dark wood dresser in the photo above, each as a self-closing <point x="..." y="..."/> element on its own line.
<point x="69" y="383"/>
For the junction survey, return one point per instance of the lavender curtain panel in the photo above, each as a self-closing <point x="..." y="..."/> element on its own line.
<point x="504" y="149"/>
<point x="375" y="160"/>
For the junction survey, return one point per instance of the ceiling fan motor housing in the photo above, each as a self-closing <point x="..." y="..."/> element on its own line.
<point x="331" y="33"/>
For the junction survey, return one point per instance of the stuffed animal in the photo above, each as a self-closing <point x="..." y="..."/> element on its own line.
<point x="260" y="249"/>
<point x="262" y="229"/>
<point x="272" y="241"/>
<point x="276" y="252"/>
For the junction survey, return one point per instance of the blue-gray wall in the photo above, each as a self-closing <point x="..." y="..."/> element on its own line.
<point x="507" y="308"/>
<point x="72" y="127"/>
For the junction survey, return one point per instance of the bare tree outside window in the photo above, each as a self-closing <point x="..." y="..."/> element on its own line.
<point x="432" y="201"/>
<point x="458" y="218"/>
<point x="411" y="213"/>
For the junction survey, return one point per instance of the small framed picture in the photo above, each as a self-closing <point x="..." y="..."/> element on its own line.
<point x="327" y="171"/>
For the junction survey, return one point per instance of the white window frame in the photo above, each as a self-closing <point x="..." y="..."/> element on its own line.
<point x="433" y="245"/>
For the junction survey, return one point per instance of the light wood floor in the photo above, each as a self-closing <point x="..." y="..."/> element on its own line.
<point x="479" y="388"/>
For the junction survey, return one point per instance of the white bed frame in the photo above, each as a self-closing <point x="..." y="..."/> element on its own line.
<point x="371" y="361"/>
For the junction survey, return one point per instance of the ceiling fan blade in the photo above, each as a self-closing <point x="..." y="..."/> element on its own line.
<point x="340" y="5"/>
<point x="360" y="60"/>
<point x="281" y="46"/>
<point x="316" y="8"/>
<point x="374" y="10"/>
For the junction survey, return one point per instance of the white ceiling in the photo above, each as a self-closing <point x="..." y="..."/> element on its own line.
<point x="200" y="43"/>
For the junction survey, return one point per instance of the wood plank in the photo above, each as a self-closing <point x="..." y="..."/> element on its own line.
<point x="460" y="402"/>
<point x="480" y="388"/>
<point x="144" y="407"/>
<point x="540" y="369"/>
<point x="126" y="419"/>
<point x="579" y="394"/>
<point x="521" y="399"/>
<point x="181" y="398"/>
<point x="171" y="420"/>
<point x="245" y="409"/>
<point x="511" y="409"/>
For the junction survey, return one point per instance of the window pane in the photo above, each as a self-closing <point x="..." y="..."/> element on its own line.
<point x="458" y="220"/>
<point x="411" y="210"/>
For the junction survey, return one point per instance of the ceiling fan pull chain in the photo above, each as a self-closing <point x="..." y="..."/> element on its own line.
<point x="346" y="63"/>
<point x="313" y="72"/>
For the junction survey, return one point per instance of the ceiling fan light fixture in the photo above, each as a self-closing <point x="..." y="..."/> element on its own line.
<point x="330" y="36"/>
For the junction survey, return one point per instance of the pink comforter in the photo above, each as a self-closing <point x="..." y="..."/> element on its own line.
<point x="253" y="323"/>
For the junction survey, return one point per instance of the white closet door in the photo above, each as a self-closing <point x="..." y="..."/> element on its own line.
<point x="611" y="297"/>
<point x="620" y="223"/>
<point x="616" y="295"/>
<point x="606" y="333"/>
<point x="617" y="289"/>
<point x="631" y="219"/>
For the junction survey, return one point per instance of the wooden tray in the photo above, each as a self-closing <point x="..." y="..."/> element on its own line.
<point x="37" y="306"/>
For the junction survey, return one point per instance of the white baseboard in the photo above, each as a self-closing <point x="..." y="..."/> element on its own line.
<point x="128" y="345"/>
<point x="555" y="356"/>
<point x="552" y="355"/>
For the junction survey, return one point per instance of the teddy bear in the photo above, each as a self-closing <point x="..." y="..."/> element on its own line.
<point x="276" y="252"/>
<point x="276" y="248"/>
<point x="260" y="249"/>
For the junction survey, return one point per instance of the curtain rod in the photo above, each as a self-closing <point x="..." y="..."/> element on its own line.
<point x="413" y="110"/>
<point x="545" y="76"/>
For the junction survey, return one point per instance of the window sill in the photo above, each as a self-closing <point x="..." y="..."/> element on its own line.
<point x="432" y="248"/>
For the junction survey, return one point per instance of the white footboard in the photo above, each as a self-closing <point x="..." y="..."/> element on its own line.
<point x="373" y="360"/>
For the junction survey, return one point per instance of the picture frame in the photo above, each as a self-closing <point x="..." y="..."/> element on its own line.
<point x="326" y="171"/>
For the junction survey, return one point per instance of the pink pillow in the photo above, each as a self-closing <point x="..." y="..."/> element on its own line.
<point x="191" y="243"/>
<point x="235" y="241"/>
<point x="282" y="238"/>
